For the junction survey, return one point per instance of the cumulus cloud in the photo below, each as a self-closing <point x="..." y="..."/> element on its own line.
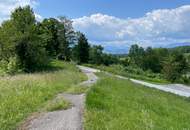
<point x="156" y="28"/>
<point x="7" y="6"/>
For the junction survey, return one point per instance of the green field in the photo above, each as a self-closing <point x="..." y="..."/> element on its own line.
<point x="23" y="94"/>
<point x="116" y="104"/>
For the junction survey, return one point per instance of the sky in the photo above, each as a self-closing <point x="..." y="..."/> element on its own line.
<point x="117" y="24"/>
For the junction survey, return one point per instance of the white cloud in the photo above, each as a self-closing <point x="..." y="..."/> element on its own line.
<point x="7" y="6"/>
<point x="156" y="28"/>
<point x="38" y="17"/>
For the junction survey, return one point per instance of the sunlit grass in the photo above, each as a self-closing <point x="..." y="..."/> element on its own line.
<point x="23" y="94"/>
<point x="77" y="89"/>
<point x="116" y="104"/>
<point x="57" y="104"/>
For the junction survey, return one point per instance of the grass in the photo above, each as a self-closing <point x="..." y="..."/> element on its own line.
<point x="57" y="104"/>
<point x="116" y="104"/>
<point x="138" y="74"/>
<point x="77" y="89"/>
<point x="23" y="94"/>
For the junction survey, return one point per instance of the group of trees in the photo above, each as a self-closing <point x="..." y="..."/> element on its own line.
<point x="172" y="63"/>
<point x="27" y="45"/>
<point x="96" y="56"/>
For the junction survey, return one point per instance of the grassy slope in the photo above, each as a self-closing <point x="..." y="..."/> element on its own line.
<point x="115" y="104"/>
<point x="23" y="94"/>
<point x="120" y="71"/>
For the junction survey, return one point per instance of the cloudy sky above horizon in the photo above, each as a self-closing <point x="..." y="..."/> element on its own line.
<point x="117" y="24"/>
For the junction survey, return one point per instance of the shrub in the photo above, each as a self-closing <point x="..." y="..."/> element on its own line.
<point x="10" y="66"/>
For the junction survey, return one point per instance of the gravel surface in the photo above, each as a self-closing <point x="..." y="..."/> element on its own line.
<point x="70" y="119"/>
<point x="178" y="89"/>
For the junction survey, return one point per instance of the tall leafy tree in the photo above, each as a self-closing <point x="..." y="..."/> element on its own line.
<point x="68" y="37"/>
<point x="48" y="31"/>
<point x="82" y="49"/>
<point x="96" y="55"/>
<point x="136" y="54"/>
<point x="21" y="42"/>
<point x="175" y="66"/>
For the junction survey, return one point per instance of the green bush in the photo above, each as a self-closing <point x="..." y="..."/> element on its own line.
<point x="10" y="66"/>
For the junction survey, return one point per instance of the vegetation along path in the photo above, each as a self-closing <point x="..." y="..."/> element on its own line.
<point x="70" y="119"/>
<point x="178" y="89"/>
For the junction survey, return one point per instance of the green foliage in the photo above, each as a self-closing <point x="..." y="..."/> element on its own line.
<point x="171" y="62"/>
<point x="49" y="33"/>
<point x="81" y="50"/>
<point x="33" y="43"/>
<point x="11" y="66"/>
<point x="174" y="67"/>
<point x="99" y="58"/>
<point x="136" y="54"/>
<point x="20" y="40"/>
<point x="96" y="55"/>
<point x="181" y="49"/>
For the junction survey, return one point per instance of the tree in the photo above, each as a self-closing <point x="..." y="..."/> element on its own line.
<point x="82" y="49"/>
<point x="66" y="35"/>
<point x="20" y="41"/>
<point x="96" y="54"/>
<point x="174" y="67"/>
<point x="136" y="54"/>
<point x="109" y="59"/>
<point x="70" y="34"/>
<point x="58" y="35"/>
<point x="151" y="61"/>
<point x="48" y="31"/>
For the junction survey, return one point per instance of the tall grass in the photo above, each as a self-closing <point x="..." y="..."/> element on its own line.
<point x="20" y="95"/>
<point x="116" y="104"/>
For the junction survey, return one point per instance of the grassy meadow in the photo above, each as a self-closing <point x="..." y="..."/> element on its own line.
<point x="116" y="104"/>
<point x="23" y="94"/>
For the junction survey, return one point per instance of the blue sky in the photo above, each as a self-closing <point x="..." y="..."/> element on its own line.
<point x="117" y="24"/>
<point x="117" y="8"/>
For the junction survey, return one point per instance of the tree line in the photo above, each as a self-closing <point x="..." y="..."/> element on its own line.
<point x="172" y="63"/>
<point x="28" y="45"/>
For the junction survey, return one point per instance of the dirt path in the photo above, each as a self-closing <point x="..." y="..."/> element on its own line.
<point x="71" y="119"/>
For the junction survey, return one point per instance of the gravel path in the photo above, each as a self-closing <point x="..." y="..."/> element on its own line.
<point x="71" y="119"/>
<point x="178" y="89"/>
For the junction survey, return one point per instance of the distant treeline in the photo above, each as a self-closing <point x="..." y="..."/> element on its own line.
<point x="173" y="63"/>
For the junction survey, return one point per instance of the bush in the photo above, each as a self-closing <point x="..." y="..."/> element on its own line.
<point x="185" y="79"/>
<point x="10" y="66"/>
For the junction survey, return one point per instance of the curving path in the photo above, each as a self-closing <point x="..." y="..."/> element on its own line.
<point x="70" y="119"/>
<point x="178" y="89"/>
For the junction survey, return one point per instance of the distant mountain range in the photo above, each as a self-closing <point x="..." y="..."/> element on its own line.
<point x="177" y="45"/>
<point x="114" y="49"/>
